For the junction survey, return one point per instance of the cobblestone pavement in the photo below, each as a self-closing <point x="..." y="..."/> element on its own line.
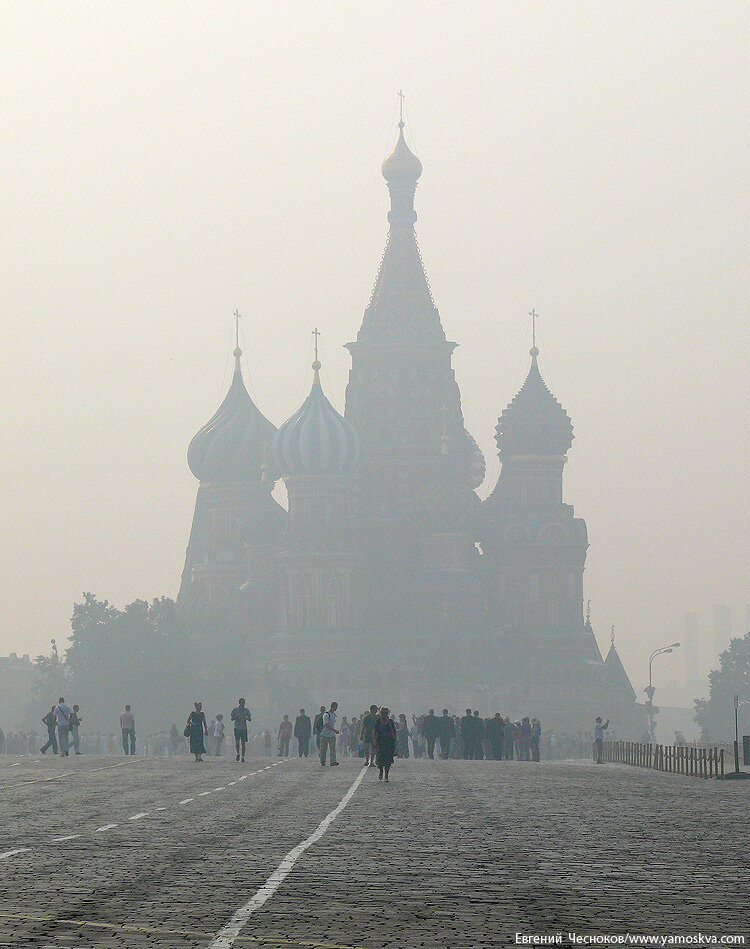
<point x="108" y="852"/>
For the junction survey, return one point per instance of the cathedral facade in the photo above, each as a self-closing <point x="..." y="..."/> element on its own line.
<point x="386" y="578"/>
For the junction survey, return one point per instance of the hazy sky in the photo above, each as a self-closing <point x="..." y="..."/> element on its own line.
<point x="164" y="163"/>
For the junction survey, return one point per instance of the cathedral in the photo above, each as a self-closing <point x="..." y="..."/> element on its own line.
<point x="386" y="578"/>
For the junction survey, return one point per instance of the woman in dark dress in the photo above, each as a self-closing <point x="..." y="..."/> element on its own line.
<point x="384" y="740"/>
<point x="196" y="729"/>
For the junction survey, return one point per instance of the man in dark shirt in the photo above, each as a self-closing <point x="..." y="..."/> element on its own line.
<point x="302" y="732"/>
<point x="365" y="735"/>
<point x="467" y="734"/>
<point x="447" y="733"/>
<point x="240" y="717"/>
<point x="49" y="720"/>
<point x="494" y="728"/>
<point x="317" y="725"/>
<point x="430" y="730"/>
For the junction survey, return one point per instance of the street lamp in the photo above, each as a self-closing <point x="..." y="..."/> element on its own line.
<point x="650" y="689"/>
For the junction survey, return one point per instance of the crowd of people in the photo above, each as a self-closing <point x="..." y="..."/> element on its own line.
<point x="429" y="735"/>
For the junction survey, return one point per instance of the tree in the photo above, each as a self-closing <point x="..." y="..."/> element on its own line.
<point x="715" y="714"/>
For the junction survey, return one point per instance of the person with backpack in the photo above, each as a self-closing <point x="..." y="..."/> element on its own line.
<point x="328" y="732"/>
<point x="63" y="713"/>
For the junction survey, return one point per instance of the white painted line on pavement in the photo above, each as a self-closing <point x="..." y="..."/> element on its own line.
<point x="160" y="808"/>
<point x="226" y="937"/>
<point x="12" y="853"/>
<point x="231" y="783"/>
<point x="188" y="800"/>
<point x="204" y="793"/>
<point x="222" y="788"/>
<point x="59" y="840"/>
<point x="105" y="827"/>
<point x="139" y="816"/>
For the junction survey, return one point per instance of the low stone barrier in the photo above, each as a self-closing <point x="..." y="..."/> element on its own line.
<point x="677" y="759"/>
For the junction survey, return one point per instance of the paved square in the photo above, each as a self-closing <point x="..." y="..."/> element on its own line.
<point x="159" y="852"/>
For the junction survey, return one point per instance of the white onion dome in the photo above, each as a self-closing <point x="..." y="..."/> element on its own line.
<point x="316" y="441"/>
<point x="231" y="446"/>
<point x="402" y="164"/>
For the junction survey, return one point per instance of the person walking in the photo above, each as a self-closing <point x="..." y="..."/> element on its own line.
<point x="365" y="734"/>
<point x="525" y="739"/>
<point x="302" y="732"/>
<point x="218" y="735"/>
<point x="196" y="728"/>
<point x="446" y="733"/>
<point x="384" y="740"/>
<point x="240" y="717"/>
<point x="318" y="725"/>
<point x="285" y="735"/>
<point x="127" y="727"/>
<point x="75" y="724"/>
<point x="174" y="740"/>
<point x="328" y="732"/>
<point x="62" y="718"/>
<point x="599" y="730"/>
<point x="267" y="741"/>
<point x="50" y="724"/>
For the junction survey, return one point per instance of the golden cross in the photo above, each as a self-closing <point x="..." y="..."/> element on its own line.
<point x="236" y="316"/>
<point x="400" y="106"/>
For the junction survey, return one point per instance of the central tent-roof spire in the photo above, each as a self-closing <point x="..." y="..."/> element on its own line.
<point x="401" y="306"/>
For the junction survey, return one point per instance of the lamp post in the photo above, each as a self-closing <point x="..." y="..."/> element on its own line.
<point x="737" y="773"/>
<point x="650" y="689"/>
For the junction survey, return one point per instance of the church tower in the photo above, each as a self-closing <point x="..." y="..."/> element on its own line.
<point x="229" y="458"/>
<point x="316" y="451"/>
<point x="402" y="395"/>
<point x="534" y="554"/>
<point x="419" y="466"/>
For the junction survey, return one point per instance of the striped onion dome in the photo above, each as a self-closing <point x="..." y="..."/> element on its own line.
<point x="231" y="446"/>
<point x="316" y="440"/>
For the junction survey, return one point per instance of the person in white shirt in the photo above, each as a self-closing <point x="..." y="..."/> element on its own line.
<point x="62" y="719"/>
<point x="218" y="734"/>
<point x="328" y="734"/>
<point x="127" y="727"/>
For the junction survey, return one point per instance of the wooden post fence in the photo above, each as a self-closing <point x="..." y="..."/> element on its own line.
<point x="676" y="759"/>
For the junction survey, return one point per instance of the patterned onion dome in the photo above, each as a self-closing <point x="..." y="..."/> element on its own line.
<point x="231" y="446"/>
<point x="316" y="440"/>
<point x="402" y="164"/>
<point x="477" y="466"/>
<point x="534" y="423"/>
